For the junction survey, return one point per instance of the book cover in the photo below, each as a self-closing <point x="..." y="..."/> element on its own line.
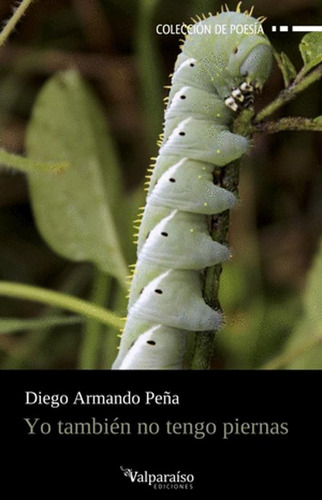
<point x="160" y="248"/>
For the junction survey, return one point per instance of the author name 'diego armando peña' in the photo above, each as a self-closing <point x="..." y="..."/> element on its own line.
<point x="81" y="399"/>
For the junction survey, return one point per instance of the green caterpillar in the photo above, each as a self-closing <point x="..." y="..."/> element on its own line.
<point x="214" y="77"/>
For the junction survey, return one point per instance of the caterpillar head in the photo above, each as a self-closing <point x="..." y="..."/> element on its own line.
<point x="252" y="59"/>
<point x="251" y="62"/>
<point x="235" y="52"/>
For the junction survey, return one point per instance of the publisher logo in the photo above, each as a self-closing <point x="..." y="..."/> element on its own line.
<point x="174" y="481"/>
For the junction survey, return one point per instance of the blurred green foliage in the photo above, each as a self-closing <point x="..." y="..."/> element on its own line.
<point x="304" y="347"/>
<point x="83" y="82"/>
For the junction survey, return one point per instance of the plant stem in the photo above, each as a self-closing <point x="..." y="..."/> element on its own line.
<point x="288" y="123"/>
<point x="62" y="300"/>
<point x="15" y="18"/>
<point x="27" y="165"/>
<point x="286" y="358"/>
<point x="93" y="329"/>
<point x="149" y="64"/>
<point x="15" y="325"/>
<point x="300" y="83"/>
<point x="31" y="345"/>
<point x="227" y="178"/>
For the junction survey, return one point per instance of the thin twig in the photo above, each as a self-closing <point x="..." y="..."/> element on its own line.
<point x="228" y="178"/>
<point x="14" y="19"/>
<point x="288" y="123"/>
<point x="287" y="95"/>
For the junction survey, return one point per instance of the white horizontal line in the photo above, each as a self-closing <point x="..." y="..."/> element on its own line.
<point x="306" y="28"/>
<point x="299" y="29"/>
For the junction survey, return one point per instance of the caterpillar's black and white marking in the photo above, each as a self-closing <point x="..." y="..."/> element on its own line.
<point x="214" y="77"/>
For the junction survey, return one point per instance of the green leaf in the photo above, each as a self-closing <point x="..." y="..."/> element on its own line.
<point x="287" y="68"/>
<point x="14" y="325"/>
<point x="311" y="50"/>
<point x="73" y="211"/>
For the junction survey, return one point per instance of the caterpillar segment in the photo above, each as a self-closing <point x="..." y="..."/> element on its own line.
<point x="214" y="78"/>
